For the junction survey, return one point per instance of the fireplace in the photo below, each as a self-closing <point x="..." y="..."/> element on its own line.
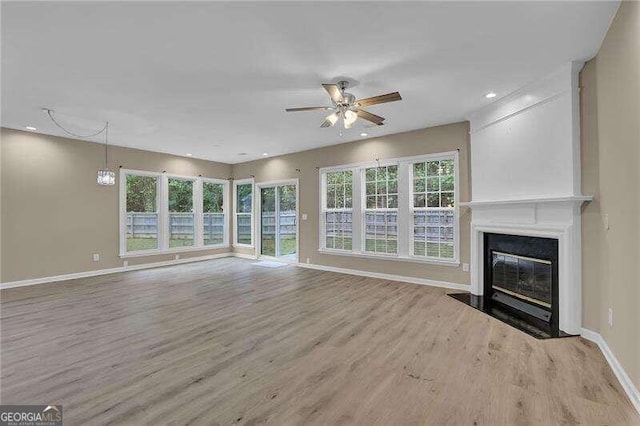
<point x="521" y="280"/>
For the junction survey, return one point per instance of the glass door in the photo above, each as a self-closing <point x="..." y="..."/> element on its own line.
<point x="278" y="221"/>
<point x="268" y="221"/>
<point x="287" y="222"/>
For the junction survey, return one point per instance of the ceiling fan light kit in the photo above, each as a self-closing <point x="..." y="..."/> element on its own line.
<point x="347" y="107"/>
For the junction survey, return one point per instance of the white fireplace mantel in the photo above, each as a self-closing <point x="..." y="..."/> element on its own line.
<point x="525" y="176"/>
<point x="557" y="219"/>
<point x="485" y="203"/>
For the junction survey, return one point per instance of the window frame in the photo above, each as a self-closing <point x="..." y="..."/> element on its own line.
<point x="404" y="211"/>
<point x="355" y="222"/>
<point x="225" y="211"/>
<point x="365" y="210"/>
<point x="237" y="182"/>
<point x="455" y="209"/>
<point x="162" y="202"/>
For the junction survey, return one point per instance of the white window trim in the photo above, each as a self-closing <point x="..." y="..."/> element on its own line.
<point x="235" y="212"/>
<point x="456" y="210"/>
<point x="162" y="199"/>
<point x="225" y="211"/>
<point x="405" y="191"/>
<point x="355" y="222"/>
<point x="364" y="210"/>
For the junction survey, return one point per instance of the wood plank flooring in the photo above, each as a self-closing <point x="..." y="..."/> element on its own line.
<point x="228" y="342"/>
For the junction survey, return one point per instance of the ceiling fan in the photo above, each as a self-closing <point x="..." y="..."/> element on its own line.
<point x="345" y="106"/>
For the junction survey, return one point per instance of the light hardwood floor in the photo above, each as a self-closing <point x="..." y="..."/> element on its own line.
<point x="226" y="342"/>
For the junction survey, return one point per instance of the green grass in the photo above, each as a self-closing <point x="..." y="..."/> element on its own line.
<point x="339" y="243"/>
<point x="180" y="242"/>
<point x="287" y="246"/>
<point x="135" y="244"/>
<point x="381" y="246"/>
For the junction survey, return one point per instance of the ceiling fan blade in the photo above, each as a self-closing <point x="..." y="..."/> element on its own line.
<point x="330" y="120"/>
<point x="389" y="97"/>
<point x="324" y="108"/>
<point x="333" y="91"/>
<point x="375" y="119"/>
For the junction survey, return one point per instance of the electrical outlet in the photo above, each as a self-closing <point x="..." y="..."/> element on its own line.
<point x="304" y="217"/>
<point x="308" y="260"/>
<point x="610" y="317"/>
<point x="605" y="222"/>
<point x="177" y="257"/>
<point x="125" y="264"/>
<point x="465" y="267"/>
<point x="96" y="257"/>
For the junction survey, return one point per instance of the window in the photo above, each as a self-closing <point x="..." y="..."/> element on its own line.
<point x="381" y="210"/>
<point x="213" y="212"/>
<point x="338" y="210"/>
<point x="181" y="217"/>
<point x="432" y="209"/>
<point x="400" y="208"/>
<point x="243" y="216"/>
<point x="141" y="212"/>
<point x="167" y="213"/>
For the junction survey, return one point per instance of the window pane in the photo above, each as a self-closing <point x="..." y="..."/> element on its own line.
<point x="433" y="168"/>
<point x="142" y="213"/>
<point x="446" y="199"/>
<point x="433" y="184"/>
<point x="181" y="217"/>
<point x="339" y="230"/>
<point x="433" y="233"/>
<point x="447" y="183"/>
<point x="433" y="199"/>
<point x="213" y="214"/>
<point x="243" y="224"/>
<point x="381" y="232"/>
<point x="446" y="167"/>
<point x="244" y="217"/>
<point x="339" y="189"/>
<point x="244" y="198"/>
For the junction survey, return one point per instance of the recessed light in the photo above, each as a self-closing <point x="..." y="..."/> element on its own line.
<point x="31" y="128"/>
<point x="490" y="95"/>
<point x="189" y="154"/>
<point x="264" y="154"/>
<point x="364" y="134"/>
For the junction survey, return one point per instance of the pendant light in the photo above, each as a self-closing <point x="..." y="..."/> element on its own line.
<point x="105" y="176"/>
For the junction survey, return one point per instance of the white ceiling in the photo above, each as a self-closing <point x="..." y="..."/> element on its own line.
<point x="213" y="79"/>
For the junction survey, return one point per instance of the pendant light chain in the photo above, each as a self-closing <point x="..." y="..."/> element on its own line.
<point x="105" y="176"/>
<point x="50" y="114"/>
<point x="106" y="143"/>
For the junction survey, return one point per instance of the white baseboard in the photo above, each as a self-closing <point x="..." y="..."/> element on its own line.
<point x="625" y="381"/>
<point x="391" y="277"/>
<point x="97" y="272"/>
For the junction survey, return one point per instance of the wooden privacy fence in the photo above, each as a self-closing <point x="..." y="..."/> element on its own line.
<point x="287" y="223"/>
<point x="145" y="225"/>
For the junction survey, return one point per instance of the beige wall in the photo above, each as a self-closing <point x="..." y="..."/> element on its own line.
<point x="55" y="216"/>
<point x="431" y="140"/>
<point x="611" y="160"/>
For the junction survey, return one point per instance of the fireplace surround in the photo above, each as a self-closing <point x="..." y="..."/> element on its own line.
<point x="521" y="278"/>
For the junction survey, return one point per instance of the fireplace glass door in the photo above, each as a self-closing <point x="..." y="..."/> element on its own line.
<point x="523" y="277"/>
